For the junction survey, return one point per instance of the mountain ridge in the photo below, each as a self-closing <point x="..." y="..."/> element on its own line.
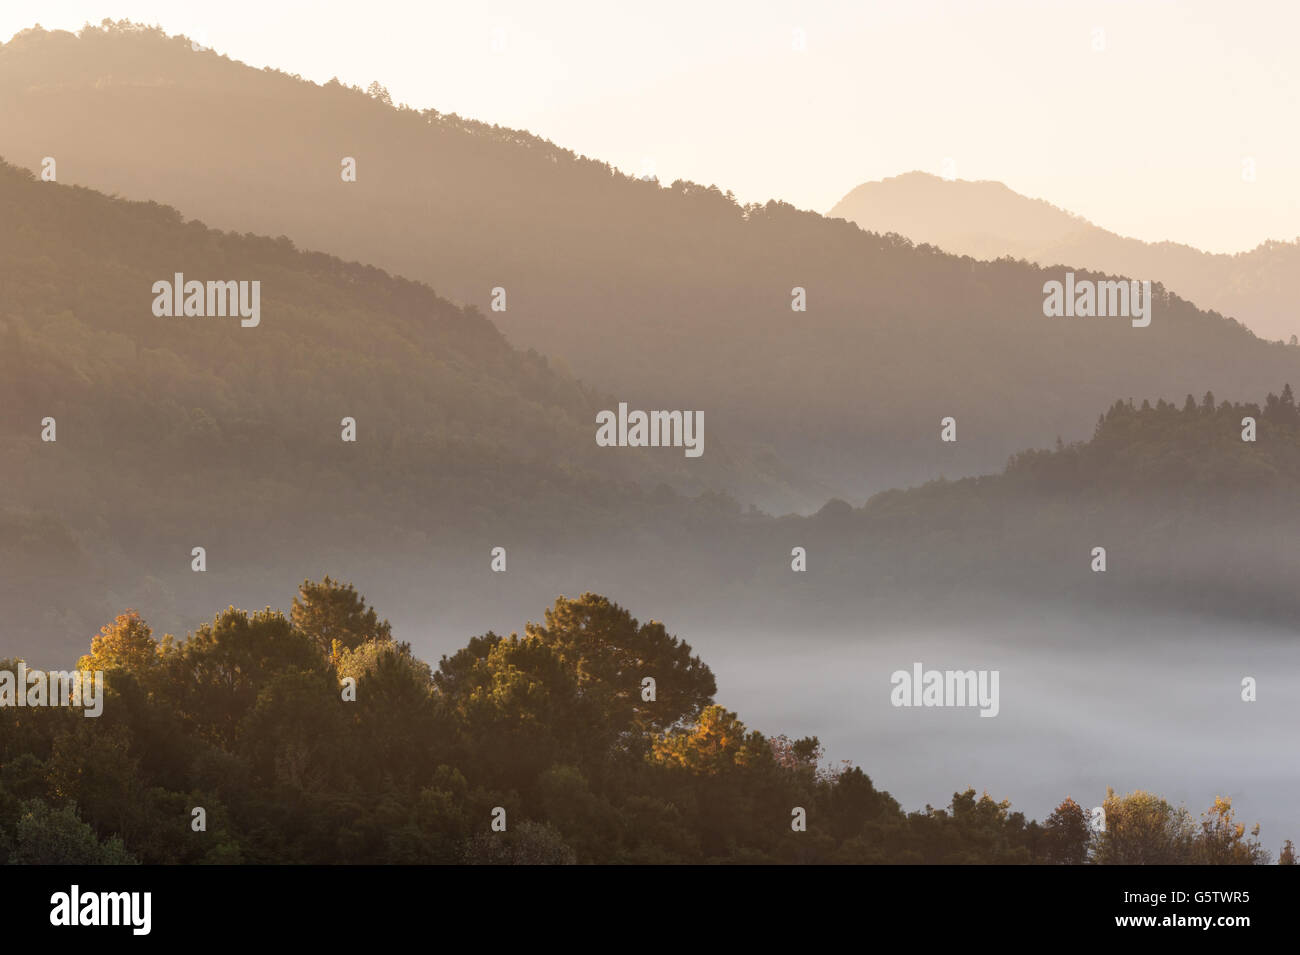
<point x="929" y="209"/>
<point x="668" y="296"/>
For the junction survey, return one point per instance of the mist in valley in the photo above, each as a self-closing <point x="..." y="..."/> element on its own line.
<point x="1086" y="702"/>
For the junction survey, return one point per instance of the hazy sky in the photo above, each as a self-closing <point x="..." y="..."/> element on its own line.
<point x="1146" y="137"/>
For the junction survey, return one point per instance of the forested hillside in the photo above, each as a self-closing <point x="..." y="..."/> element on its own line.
<point x="666" y="296"/>
<point x="1193" y="519"/>
<point x="175" y="432"/>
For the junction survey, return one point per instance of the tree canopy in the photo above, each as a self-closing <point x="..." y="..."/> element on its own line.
<point x="318" y="737"/>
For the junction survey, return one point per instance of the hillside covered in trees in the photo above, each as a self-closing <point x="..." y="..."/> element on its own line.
<point x="249" y="720"/>
<point x="183" y="432"/>
<point x="1193" y="518"/>
<point x="665" y="296"/>
<point x="200" y="463"/>
<point x="177" y="432"/>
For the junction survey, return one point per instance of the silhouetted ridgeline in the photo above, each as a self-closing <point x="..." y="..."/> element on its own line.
<point x="183" y="432"/>
<point x="1193" y="519"/>
<point x="988" y="221"/>
<point x="245" y="743"/>
<point x="671" y="297"/>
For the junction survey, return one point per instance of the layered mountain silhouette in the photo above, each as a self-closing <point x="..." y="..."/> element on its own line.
<point x="176" y="432"/>
<point x="667" y="297"/>
<point x="128" y="438"/>
<point x="986" y="220"/>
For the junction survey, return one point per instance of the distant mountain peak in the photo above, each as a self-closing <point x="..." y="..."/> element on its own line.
<point x="986" y="219"/>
